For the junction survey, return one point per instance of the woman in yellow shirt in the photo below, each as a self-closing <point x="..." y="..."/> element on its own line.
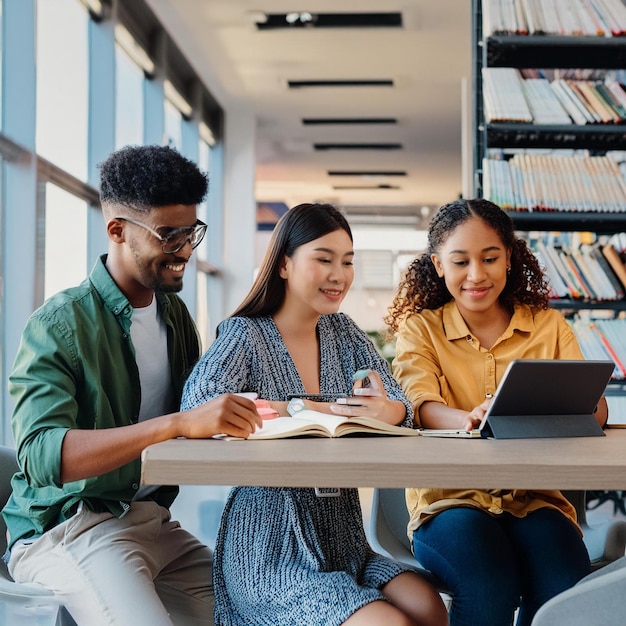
<point x="476" y="300"/>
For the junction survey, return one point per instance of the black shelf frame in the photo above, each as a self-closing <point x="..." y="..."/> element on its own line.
<point x="555" y="51"/>
<point x="569" y="221"/>
<point x="565" y="304"/>
<point x="593" y="137"/>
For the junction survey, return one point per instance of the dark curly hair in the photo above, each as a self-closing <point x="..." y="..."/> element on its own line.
<point x="421" y="288"/>
<point x="298" y="226"/>
<point x="144" y="177"/>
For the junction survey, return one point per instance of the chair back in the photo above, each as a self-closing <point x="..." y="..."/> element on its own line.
<point x="8" y="467"/>
<point x="605" y="541"/>
<point x="388" y="531"/>
<point x="22" y="603"/>
<point x="388" y="524"/>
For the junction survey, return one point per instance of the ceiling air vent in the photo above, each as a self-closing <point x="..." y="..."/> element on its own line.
<point x="364" y="187"/>
<point x="357" y="146"/>
<point x="306" y="19"/>
<point x="366" y="174"/>
<point x="319" y="121"/>
<point x="299" y="84"/>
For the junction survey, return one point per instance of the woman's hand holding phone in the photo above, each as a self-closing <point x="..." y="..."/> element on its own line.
<point x="368" y="399"/>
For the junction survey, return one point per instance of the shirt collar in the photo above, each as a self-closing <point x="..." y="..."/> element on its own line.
<point x="456" y="328"/>
<point x="110" y="293"/>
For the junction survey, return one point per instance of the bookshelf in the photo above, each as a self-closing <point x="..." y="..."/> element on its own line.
<point x="545" y="54"/>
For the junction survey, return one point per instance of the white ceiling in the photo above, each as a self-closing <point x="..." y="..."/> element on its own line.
<point x="428" y="60"/>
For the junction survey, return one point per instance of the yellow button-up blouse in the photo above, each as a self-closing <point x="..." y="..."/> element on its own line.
<point x="438" y="359"/>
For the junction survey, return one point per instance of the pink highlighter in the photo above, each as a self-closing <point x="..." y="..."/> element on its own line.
<point x="264" y="409"/>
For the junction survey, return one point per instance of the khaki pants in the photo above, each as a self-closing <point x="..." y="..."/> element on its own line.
<point x="140" y="570"/>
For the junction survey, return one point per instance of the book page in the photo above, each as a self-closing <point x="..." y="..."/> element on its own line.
<point x="339" y="425"/>
<point x="280" y="427"/>
<point x="317" y="424"/>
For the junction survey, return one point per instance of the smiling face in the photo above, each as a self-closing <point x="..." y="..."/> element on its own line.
<point x="473" y="262"/>
<point x="319" y="274"/>
<point x="140" y="266"/>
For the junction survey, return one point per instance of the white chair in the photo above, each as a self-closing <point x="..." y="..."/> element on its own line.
<point x="22" y="604"/>
<point x="388" y="536"/>
<point x="605" y="541"/>
<point x="596" y="599"/>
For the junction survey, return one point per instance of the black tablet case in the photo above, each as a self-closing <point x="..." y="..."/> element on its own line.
<point x="547" y="398"/>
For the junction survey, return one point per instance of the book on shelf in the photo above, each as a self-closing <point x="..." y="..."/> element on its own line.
<point x="615" y="261"/>
<point x="317" y="424"/>
<point x="601" y="18"/>
<point x="588" y="270"/>
<point x="611" y="344"/>
<point x="552" y="97"/>
<point x="557" y="183"/>
<point x="558" y="285"/>
<point x="602" y="340"/>
<point x="545" y="106"/>
<point x="604" y="269"/>
<point x="577" y="275"/>
<point x="577" y="269"/>
<point x="572" y="105"/>
<point x="503" y="96"/>
<point x="619" y="95"/>
<point x="610" y="98"/>
<point x="595" y="103"/>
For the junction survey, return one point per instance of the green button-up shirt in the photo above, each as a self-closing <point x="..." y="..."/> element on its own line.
<point x="76" y="368"/>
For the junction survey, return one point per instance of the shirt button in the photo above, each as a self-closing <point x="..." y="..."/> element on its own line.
<point x="135" y="486"/>
<point x="490" y="356"/>
<point x="488" y="395"/>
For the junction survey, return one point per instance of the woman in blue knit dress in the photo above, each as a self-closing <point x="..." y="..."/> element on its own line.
<point x="284" y="556"/>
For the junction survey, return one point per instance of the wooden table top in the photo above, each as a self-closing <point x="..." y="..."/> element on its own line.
<point x="385" y="461"/>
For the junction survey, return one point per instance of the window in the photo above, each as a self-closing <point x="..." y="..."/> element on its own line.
<point x="129" y="100"/>
<point x="62" y="93"/>
<point x="203" y="317"/>
<point x="65" y="240"/>
<point x="1" y="84"/>
<point x="1" y="273"/>
<point x="173" y="126"/>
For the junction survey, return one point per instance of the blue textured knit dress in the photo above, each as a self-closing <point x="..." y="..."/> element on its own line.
<point x="285" y="557"/>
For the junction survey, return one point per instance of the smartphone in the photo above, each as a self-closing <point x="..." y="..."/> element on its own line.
<point x="316" y="397"/>
<point x="344" y="400"/>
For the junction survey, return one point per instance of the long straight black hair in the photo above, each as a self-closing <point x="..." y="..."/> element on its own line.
<point x="298" y="226"/>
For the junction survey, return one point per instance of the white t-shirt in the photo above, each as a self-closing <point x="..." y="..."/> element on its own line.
<point x="149" y="334"/>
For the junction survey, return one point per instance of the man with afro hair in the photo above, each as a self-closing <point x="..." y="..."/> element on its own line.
<point x="98" y="377"/>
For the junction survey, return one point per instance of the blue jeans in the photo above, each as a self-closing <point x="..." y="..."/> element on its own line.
<point x="490" y="564"/>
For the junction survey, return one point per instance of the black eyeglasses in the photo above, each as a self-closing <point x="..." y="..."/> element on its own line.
<point x="177" y="237"/>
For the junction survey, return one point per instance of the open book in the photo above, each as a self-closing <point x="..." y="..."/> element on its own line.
<point x="316" y="424"/>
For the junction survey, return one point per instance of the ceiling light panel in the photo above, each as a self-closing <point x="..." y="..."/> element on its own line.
<point x="320" y="121"/>
<point x="299" y="84"/>
<point x="357" y="146"/>
<point x="367" y="187"/>
<point x="365" y="174"/>
<point x="306" y="19"/>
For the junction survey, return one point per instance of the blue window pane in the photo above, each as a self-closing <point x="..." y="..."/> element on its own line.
<point x="62" y="85"/>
